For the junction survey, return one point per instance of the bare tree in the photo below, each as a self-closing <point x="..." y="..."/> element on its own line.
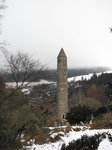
<point x="2" y="7"/>
<point x="22" y="68"/>
<point x="2" y="4"/>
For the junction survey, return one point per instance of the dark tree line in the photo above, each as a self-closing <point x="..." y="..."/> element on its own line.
<point x="102" y="79"/>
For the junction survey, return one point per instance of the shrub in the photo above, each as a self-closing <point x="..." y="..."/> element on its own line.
<point x="105" y="122"/>
<point x="100" y="110"/>
<point x="86" y="142"/>
<point x="78" y="114"/>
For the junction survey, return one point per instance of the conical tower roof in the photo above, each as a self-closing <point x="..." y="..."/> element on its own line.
<point x="62" y="53"/>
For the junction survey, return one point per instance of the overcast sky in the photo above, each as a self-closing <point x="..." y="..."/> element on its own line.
<point x="43" y="27"/>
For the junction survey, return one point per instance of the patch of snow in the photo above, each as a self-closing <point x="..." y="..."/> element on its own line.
<point x="53" y="135"/>
<point x="29" y="84"/>
<point x="74" y="127"/>
<point x="105" y="145"/>
<point x="26" y="91"/>
<point x="58" y="127"/>
<point x="79" y="78"/>
<point x="22" y="140"/>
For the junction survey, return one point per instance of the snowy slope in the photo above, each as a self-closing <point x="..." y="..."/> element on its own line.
<point x="73" y="135"/>
<point x="87" y="77"/>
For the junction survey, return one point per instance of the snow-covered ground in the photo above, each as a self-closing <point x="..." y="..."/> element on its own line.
<point x="105" y="144"/>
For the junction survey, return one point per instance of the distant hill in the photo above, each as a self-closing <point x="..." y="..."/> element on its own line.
<point x="79" y="71"/>
<point x="51" y="74"/>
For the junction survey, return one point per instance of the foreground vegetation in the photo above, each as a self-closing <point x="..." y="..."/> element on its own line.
<point x="28" y="115"/>
<point x="20" y="113"/>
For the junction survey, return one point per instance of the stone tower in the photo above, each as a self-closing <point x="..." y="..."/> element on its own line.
<point x="62" y="89"/>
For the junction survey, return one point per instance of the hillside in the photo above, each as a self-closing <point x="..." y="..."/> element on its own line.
<point x="90" y="138"/>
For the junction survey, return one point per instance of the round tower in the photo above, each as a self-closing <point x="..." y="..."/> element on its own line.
<point x="62" y="88"/>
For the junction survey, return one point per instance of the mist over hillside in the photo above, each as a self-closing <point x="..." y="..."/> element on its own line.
<point x="51" y="74"/>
